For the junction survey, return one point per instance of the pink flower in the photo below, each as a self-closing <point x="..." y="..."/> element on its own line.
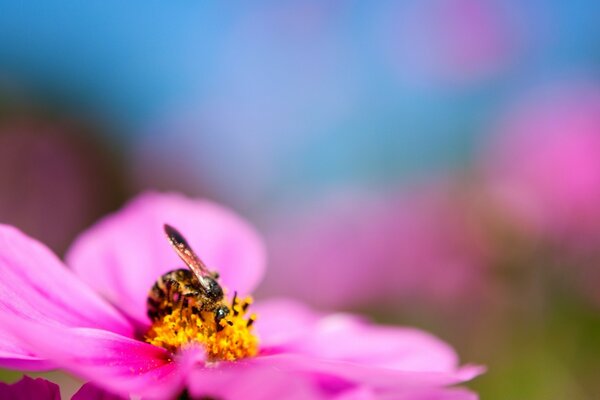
<point x="454" y="41"/>
<point x="544" y="161"/>
<point x="41" y="389"/>
<point x="91" y="320"/>
<point x="59" y="187"/>
<point x="418" y="245"/>
<point x="542" y="172"/>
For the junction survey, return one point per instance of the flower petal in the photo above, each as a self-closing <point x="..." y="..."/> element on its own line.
<point x="281" y="322"/>
<point x="91" y="392"/>
<point x="15" y="356"/>
<point x="36" y="285"/>
<point x="242" y="380"/>
<point x="28" y="388"/>
<point x="250" y="380"/>
<point x="125" y="253"/>
<point x="351" y="349"/>
<point x="368" y="375"/>
<point x="342" y="337"/>
<point x="365" y="393"/>
<point x="113" y="362"/>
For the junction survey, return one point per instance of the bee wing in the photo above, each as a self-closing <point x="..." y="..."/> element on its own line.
<point x="185" y="252"/>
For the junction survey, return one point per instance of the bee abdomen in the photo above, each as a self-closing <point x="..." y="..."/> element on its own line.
<point x="168" y="290"/>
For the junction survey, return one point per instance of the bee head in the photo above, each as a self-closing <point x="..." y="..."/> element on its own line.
<point x="220" y="313"/>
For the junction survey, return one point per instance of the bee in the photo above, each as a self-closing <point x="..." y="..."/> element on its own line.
<point x="196" y="287"/>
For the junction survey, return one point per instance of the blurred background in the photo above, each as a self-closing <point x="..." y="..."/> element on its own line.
<point x="433" y="163"/>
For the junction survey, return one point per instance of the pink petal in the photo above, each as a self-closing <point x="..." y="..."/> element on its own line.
<point x="255" y="379"/>
<point x="243" y="380"/>
<point x="358" y="393"/>
<point x="368" y="375"/>
<point x="123" y="254"/>
<point x="365" y="393"/>
<point x="281" y="322"/>
<point x="116" y="363"/>
<point x="35" y="285"/>
<point x="342" y="337"/>
<point x="27" y="389"/>
<point x="14" y="356"/>
<point x="351" y="349"/>
<point x="91" y="392"/>
<point x="436" y="394"/>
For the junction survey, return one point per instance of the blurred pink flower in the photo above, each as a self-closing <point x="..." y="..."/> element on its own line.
<point x="53" y="317"/>
<point x="542" y="168"/>
<point x="355" y="248"/>
<point x="545" y="158"/>
<point x="54" y="179"/>
<point x="41" y="389"/>
<point x="453" y="42"/>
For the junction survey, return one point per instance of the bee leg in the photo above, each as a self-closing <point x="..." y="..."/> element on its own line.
<point x="172" y="290"/>
<point x="173" y="293"/>
<point x="182" y="304"/>
<point x="188" y="301"/>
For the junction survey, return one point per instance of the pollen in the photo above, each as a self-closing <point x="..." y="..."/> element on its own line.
<point x="184" y="326"/>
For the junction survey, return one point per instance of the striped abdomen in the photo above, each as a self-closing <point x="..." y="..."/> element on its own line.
<point x="175" y="288"/>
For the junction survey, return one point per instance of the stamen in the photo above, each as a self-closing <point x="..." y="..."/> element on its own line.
<point x="233" y="339"/>
<point x="234" y="303"/>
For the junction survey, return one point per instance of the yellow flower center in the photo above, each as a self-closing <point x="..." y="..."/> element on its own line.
<point x="233" y="340"/>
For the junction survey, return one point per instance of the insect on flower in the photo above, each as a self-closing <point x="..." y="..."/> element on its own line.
<point x="290" y="349"/>
<point x="195" y="288"/>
